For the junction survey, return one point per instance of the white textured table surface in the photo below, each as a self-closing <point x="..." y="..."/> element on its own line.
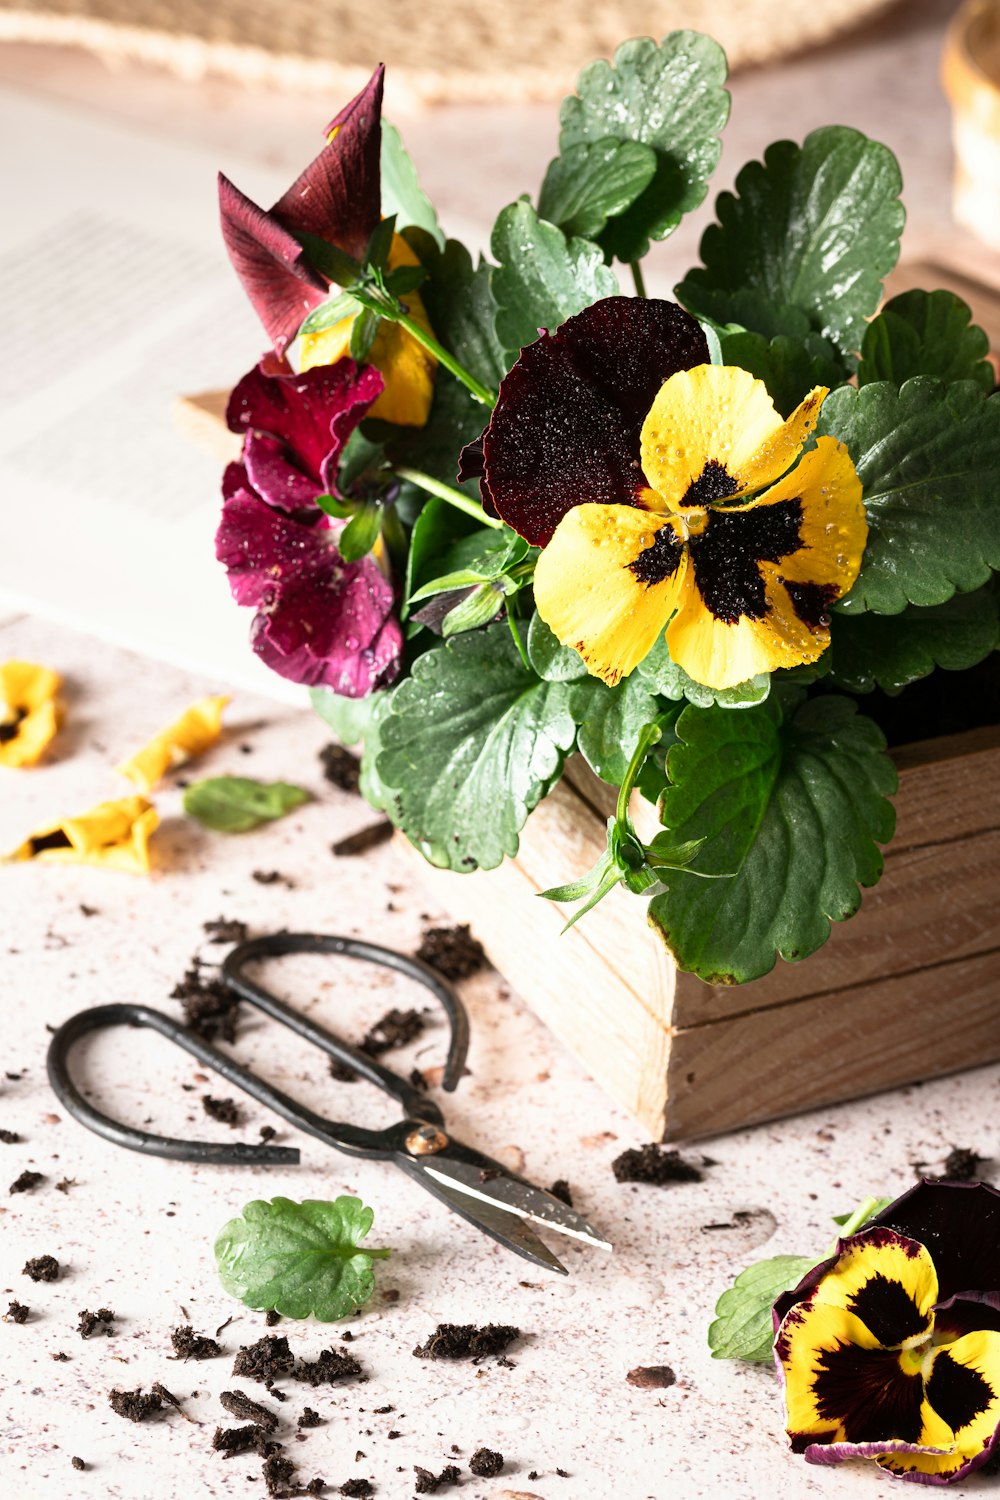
<point x="136" y="1235"/>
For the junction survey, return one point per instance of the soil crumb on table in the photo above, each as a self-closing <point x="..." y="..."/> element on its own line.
<point x="210" y="1007"/>
<point x="272" y="877"/>
<point x="27" y="1182"/>
<point x="78" y="1463"/>
<point x="225" y="930"/>
<point x="226" y="1111"/>
<point x="309" y="1418"/>
<point x="238" y="1404"/>
<point x="267" y="1359"/>
<point x="357" y="1489"/>
<point x="332" y="1367"/>
<point x="395" y="1029"/>
<point x="560" y="1189"/>
<point x="232" y="1441"/>
<point x="654" y="1164"/>
<point x="101" y="1321"/>
<point x="453" y="951"/>
<point x="428" y="1483"/>
<point x="137" y="1405"/>
<point x="190" y="1345"/>
<point x="369" y="837"/>
<point x="466" y="1341"/>
<point x="485" y="1463"/>
<point x="42" y="1268"/>
<point x="962" y="1164"/>
<point x="10" y="1137"/>
<point x="17" y="1312"/>
<point x="651" y="1377"/>
<point x="340" y="767"/>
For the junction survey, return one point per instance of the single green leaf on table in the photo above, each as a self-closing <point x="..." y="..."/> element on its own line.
<point x="891" y="651"/>
<point x="928" y="457"/>
<point x="789" y="367"/>
<point x="553" y="662"/>
<point x="813" y="227"/>
<point x="670" y="97"/>
<point x="743" y="1327"/>
<point x="461" y="308"/>
<point x="472" y="742"/>
<point x="541" y="278"/>
<point x="925" y="333"/>
<point x="347" y="717"/>
<point x="792" y="803"/>
<point x="402" y="195"/>
<point x="301" y="1259"/>
<point x="235" y="804"/>
<point x="592" y="182"/>
<point x="661" y="674"/>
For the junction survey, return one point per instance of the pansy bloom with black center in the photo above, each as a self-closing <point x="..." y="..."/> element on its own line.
<point x="890" y="1350"/>
<point x="669" y="495"/>
<point x="337" y="198"/>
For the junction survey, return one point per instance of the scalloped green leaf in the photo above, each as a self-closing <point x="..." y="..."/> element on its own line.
<point x="472" y="742"/>
<point x="664" y="676"/>
<point x="789" y="367"/>
<point x="402" y="194"/>
<point x="347" y="717"/>
<point x="891" y="651"/>
<point x="614" y="719"/>
<point x="594" y="181"/>
<point x="925" y="333"/>
<point x="743" y="1327"/>
<point x="550" y="659"/>
<point x="814" y="227"/>
<point x="541" y="278"/>
<point x="792" y="806"/>
<point x="669" y="96"/>
<point x="928" y="457"/>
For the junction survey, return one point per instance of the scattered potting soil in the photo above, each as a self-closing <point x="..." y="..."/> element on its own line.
<point x="17" y="1312"/>
<point x="210" y="1007"/>
<point x="190" y="1345"/>
<point x="101" y="1321"/>
<point x="165" y="1396"/>
<point x="27" y="1182"/>
<point x="340" y="767"/>
<point x="962" y="1164"/>
<point x="466" y="1341"/>
<point x="231" y="1441"/>
<point x="137" y="1405"/>
<point x="418" y="1080"/>
<point x="331" y="1368"/>
<point x="309" y="1418"/>
<point x="271" y="1317"/>
<point x="267" y="1133"/>
<point x="369" y="837"/>
<point x="226" y="1111"/>
<point x="65" y="1185"/>
<point x="272" y="877"/>
<point x="651" y="1377"/>
<point x="9" y="1137"/>
<point x="224" y="930"/>
<point x="486" y="1463"/>
<point x="654" y="1164"/>
<point x="428" y="1483"/>
<point x="395" y="1029"/>
<point x="342" y="1072"/>
<point x="560" y="1189"/>
<point x="77" y="1463"/>
<point x="357" y="1489"/>
<point x="240" y="1405"/>
<point x="268" y="1359"/>
<point x="42" y="1268"/>
<point x="453" y="951"/>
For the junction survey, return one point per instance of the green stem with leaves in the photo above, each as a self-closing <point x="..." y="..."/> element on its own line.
<point x="647" y="739"/>
<point x="447" y="493"/>
<point x="482" y="393"/>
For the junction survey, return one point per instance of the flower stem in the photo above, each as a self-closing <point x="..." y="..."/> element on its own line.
<point x="647" y="739"/>
<point x="637" y="277"/>
<point x="517" y="634"/>
<point x="448" y="493"/>
<point x="481" y="392"/>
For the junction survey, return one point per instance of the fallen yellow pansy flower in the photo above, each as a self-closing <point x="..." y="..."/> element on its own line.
<point x="113" y="834"/>
<point x="30" y="712"/>
<point x="192" y="734"/>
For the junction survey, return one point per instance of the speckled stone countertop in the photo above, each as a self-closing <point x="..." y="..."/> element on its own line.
<point x="136" y="1235"/>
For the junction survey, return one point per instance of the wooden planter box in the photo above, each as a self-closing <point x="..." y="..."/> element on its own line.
<point x="906" y="990"/>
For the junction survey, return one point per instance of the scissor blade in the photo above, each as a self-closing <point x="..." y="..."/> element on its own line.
<point x="494" y="1184"/>
<point x="500" y="1223"/>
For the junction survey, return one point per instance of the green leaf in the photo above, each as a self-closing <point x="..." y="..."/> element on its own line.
<point x="813" y="227"/>
<point x="235" y="804"/>
<point x="461" y="308"/>
<point x="743" y="1327"/>
<point x="478" y="608"/>
<point x="402" y="194"/>
<point x="925" y="333"/>
<point x="592" y="182"/>
<point x="792" y="806"/>
<point x="553" y="662"/>
<point x="380" y="242"/>
<point x="891" y="651"/>
<point x="343" y="305"/>
<point x="662" y="675"/>
<point x="542" y="278"/>
<point x="301" y="1259"/>
<point x="347" y="717"/>
<point x="363" y="331"/>
<point x="370" y="784"/>
<point x="789" y="367"/>
<point x="361" y="533"/>
<point x="436" y="529"/>
<point x="928" y="457"/>
<point x="615" y="717"/>
<point x="859" y="1217"/>
<point x="471" y="744"/>
<point x="670" y="97"/>
<point x="332" y="263"/>
<point x="405" y="279"/>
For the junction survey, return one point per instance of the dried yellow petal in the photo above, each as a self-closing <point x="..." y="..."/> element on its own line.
<point x="30" y="712"/>
<point x="192" y="734"/>
<point x="114" y="835"/>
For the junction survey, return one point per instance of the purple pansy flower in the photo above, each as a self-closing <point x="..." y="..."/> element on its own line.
<point x="320" y="620"/>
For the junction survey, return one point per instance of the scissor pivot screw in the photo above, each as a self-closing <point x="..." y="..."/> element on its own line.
<point x="426" y="1140"/>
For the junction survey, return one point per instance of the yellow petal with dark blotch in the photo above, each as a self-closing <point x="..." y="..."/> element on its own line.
<point x="25" y="685"/>
<point x="721" y="654"/>
<point x="886" y="1280"/>
<point x="962" y="1387"/>
<point x="30" y="712"/>
<point x="607" y="583"/>
<point x="114" y="835"/>
<point x="818" y="1401"/>
<point x="407" y="367"/>
<point x="713" y="433"/>
<point x="196" y="731"/>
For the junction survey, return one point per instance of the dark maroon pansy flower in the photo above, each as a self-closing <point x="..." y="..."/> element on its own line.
<point x="565" y="429"/>
<point x="337" y="197"/>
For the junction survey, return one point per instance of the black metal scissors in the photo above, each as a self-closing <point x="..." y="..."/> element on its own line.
<point x="481" y="1190"/>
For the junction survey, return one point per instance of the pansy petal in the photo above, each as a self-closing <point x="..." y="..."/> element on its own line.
<point x="963" y="1387"/>
<point x="886" y="1280"/>
<point x="339" y="194"/>
<point x="114" y="835"/>
<point x="565" y="430"/>
<point x="282" y="287"/>
<point x="30" y="712"/>
<point x="959" y="1222"/>
<point x="196" y="731"/>
<point x="25" y="685"/>
<point x="713" y="432"/>
<point x="608" y="582"/>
